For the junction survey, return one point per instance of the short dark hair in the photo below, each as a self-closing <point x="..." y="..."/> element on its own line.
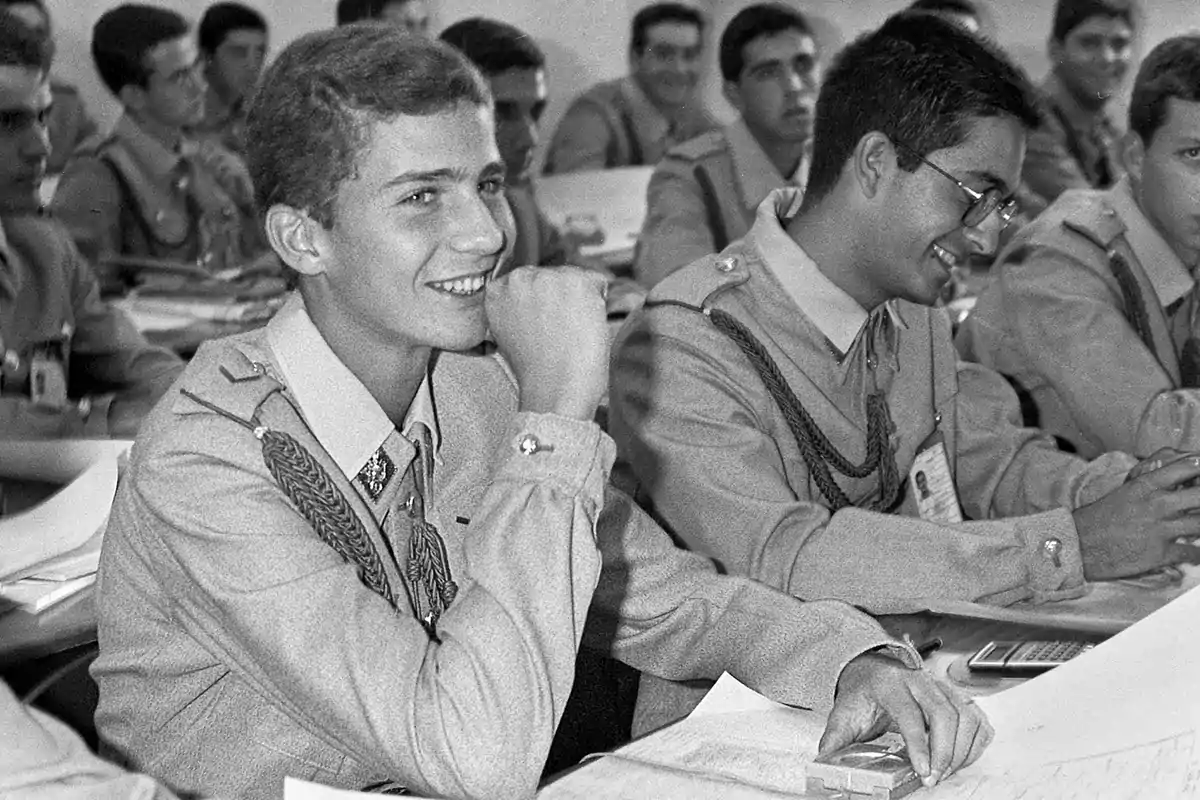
<point x="1070" y="14"/>
<point x="122" y="38"/>
<point x="38" y="4"/>
<point x="223" y="18"/>
<point x="494" y="46"/>
<point x="918" y="79"/>
<point x="312" y="115"/>
<point x="1172" y="69"/>
<point x="22" y="45"/>
<point x="350" y="11"/>
<point x="762" y="19"/>
<point x="657" y="14"/>
<point x="946" y="6"/>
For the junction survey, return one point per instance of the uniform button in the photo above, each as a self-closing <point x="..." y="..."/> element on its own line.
<point x="937" y="418"/>
<point x="227" y="212"/>
<point x="872" y="361"/>
<point x="1052" y="549"/>
<point x="726" y="264"/>
<point x="530" y="444"/>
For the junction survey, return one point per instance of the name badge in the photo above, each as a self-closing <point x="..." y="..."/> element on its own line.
<point x="48" y="376"/>
<point x="932" y="485"/>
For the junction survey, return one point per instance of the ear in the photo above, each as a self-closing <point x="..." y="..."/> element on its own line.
<point x="299" y="240"/>
<point x="733" y="93"/>
<point x="1133" y="153"/>
<point x="133" y="96"/>
<point x="873" y="161"/>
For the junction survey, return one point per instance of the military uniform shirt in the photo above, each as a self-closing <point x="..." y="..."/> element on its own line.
<point x="614" y="124"/>
<point x="128" y="195"/>
<point x="1056" y="320"/>
<point x="718" y="463"/>
<point x="236" y="647"/>
<point x="49" y="298"/>
<point x="70" y="125"/>
<point x="703" y="196"/>
<point x="1075" y="148"/>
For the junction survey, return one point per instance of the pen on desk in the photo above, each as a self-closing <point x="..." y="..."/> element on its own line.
<point x="925" y="648"/>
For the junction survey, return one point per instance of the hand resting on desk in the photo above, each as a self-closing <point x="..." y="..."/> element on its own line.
<point x="876" y="694"/>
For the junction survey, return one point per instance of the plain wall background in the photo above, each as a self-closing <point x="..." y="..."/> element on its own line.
<point x="586" y="40"/>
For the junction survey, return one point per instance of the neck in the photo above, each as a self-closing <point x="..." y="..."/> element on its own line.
<point x="391" y="372"/>
<point x="167" y="135"/>
<point x="1085" y="100"/>
<point x="784" y="155"/>
<point x="821" y="231"/>
<point x="668" y="111"/>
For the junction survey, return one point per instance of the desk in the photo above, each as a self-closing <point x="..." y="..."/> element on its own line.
<point x="754" y="756"/>
<point x="24" y="637"/>
<point x="186" y="340"/>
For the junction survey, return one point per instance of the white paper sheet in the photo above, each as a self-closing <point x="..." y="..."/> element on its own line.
<point x="59" y="460"/>
<point x="296" y="789"/>
<point x="61" y="523"/>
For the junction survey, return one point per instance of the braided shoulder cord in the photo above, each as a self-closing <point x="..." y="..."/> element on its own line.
<point x="317" y="498"/>
<point x="815" y="448"/>
<point x="1135" y="307"/>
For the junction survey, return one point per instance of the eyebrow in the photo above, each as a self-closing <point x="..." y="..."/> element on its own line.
<point x="990" y="177"/>
<point x="436" y="175"/>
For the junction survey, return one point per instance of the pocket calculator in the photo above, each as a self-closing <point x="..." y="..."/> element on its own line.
<point x="1025" y="657"/>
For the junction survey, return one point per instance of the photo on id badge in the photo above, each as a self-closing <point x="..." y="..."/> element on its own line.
<point x="932" y="485"/>
<point x="48" y="373"/>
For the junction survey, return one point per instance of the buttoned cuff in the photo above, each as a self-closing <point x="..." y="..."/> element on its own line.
<point x="1054" y="562"/>
<point x="572" y="454"/>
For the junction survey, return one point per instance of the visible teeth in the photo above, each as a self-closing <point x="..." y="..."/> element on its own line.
<point x="945" y="255"/>
<point x="462" y="286"/>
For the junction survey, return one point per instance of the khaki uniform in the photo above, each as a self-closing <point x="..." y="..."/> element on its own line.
<point x="70" y="125"/>
<point x="67" y="356"/>
<point x="128" y="195"/>
<point x="720" y="465"/>
<point x="614" y="124"/>
<point x="703" y="196"/>
<point x="1089" y="312"/>
<point x="223" y="122"/>
<point x="1075" y="148"/>
<point x="237" y="647"/>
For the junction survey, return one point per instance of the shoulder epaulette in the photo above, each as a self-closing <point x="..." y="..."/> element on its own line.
<point x="235" y="378"/>
<point x="697" y="284"/>
<point x="1091" y="214"/>
<point x="694" y="149"/>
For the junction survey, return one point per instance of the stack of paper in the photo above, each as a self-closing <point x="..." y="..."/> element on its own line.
<point x="52" y="551"/>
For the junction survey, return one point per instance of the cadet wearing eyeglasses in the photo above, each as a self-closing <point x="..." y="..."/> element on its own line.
<point x="776" y="400"/>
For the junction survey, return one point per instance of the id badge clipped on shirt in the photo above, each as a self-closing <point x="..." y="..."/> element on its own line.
<point x="48" y="375"/>
<point x="932" y="485"/>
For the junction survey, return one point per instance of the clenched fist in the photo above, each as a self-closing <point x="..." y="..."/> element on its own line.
<point x="550" y="323"/>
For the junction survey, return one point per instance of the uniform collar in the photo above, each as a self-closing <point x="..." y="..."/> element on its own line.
<point x="339" y="410"/>
<point x="837" y="315"/>
<point x="1082" y="120"/>
<point x="217" y="111"/>
<point x="756" y="175"/>
<point x="1167" y="273"/>
<point x="154" y="157"/>
<point x="649" y="124"/>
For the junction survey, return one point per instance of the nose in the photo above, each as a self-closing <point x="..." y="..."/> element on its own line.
<point x="480" y="228"/>
<point x="529" y="132"/>
<point x="985" y="237"/>
<point x="36" y="144"/>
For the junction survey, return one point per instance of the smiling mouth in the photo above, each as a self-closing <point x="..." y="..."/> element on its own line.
<point x="464" y="286"/>
<point x="946" y="257"/>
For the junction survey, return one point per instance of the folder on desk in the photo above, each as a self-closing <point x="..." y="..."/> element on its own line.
<point x="611" y="200"/>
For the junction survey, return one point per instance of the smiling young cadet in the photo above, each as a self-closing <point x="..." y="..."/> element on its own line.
<point x="70" y="364"/>
<point x="346" y="552"/>
<point x="1092" y="309"/>
<point x="1076" y="147"/>
<point x="147" y="188"/>
<point x="635" y="120"/>
<point x="918" y="143"/>
<point x="704" y="193"/>
<point x="233" y="43"/>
